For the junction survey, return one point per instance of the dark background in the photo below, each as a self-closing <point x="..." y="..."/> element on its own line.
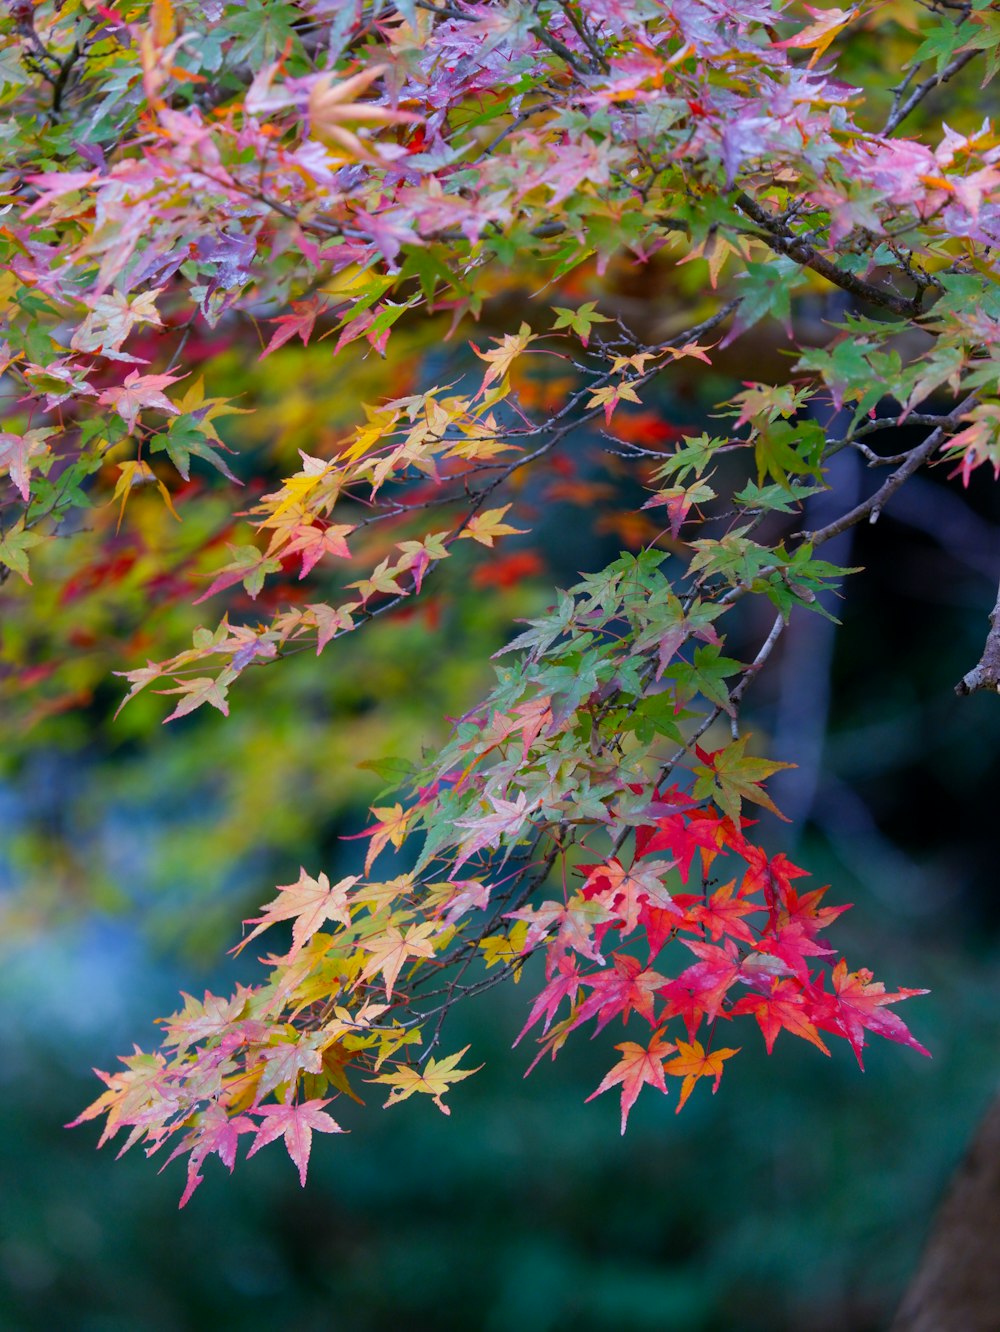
<point x="795" y="1201"/>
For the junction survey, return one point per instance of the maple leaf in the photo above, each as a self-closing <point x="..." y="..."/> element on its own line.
<point x="299" y="323"/>
<point x="138" y="392"/>
<point x="388" y="951"/>
<point x="391" y="828"/>
<point x="693" y="1063"/>
<point x="248" y="566"/>
<point x="201" y="1019"/>
<point x="282" y="1063"/>
<point x="309" y="903"/>
<point x="610" y="396"/>
<point x="729" y="776"/>
<point x="694" y="349"/>
<point x="332" y="108"/>
<point x="580" y="320"/>
<point x="629" y="888"/>
<point x="684" y="837"/>
<point x="330" y="622"/>
<point x="508" y="349"/>
<point x="629" y="985"/>
<point x="140" y="1090"/>
<point x="296" y="1124"/>
<point x="721" y="914"/>
<point x="111" y="318"/>
<point x="709" y="980"/>
<point x="17" y="452"/>
<point x="217" y="1132"/>
<point x="132" y="475"/>
<point x="639" y="1066"/>
<point x="486" y="830"/>
<point x="202" y="689"/>
<point x="434" y="1080"/>
<point x="484" y="527"/>
<point x="207" y="410"/>
<point x="858" y="1004"/>
<point x="563" y="983"/>
<point x="819" y="35"/>
<point x="576" y="919"/>
<point x="782" y="1007"/>
<point x="313" y="542"/>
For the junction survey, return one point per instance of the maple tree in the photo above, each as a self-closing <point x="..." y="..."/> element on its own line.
<point x="183" y="177"/>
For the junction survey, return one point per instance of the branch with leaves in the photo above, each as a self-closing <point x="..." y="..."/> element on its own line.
<point x="331" y="181"/>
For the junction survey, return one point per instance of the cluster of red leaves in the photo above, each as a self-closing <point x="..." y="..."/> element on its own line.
<point x="755" y="945"/>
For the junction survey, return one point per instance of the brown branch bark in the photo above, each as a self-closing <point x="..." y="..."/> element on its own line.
<point x="957" y="1284"/>
<point x="901" y="109"/>
<point x="873" y="506"/>
<point x="986" y="675"/>
<point x="782" y="241"/>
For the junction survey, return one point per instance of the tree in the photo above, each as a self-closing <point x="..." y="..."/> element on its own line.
<point x="182" y="173"/>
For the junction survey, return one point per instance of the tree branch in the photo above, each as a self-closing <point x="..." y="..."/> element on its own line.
<point x="986" y="673"/>
<point x="873" y="506"/>
<point x="783" y="241"/>
<point x="900" y="112"/>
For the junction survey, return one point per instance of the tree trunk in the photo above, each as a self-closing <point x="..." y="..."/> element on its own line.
<point x="957" y="1284"/>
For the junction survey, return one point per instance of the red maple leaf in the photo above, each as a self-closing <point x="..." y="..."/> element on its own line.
<point x="299" y="324"/>
<point x="723" y="912"/>
<point x="783" y="1006"/>
<point x="638" y="1066"/>
<point x="215" y="1132"/>
<point x="683" y="835"/>
<point x="562" y="984"/>
<point x="858" y="1004"/>
<point x="710" y="979"/>
<point x="627" y="986"/>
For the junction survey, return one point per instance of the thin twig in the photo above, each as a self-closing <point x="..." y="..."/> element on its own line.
<point x="899" y="113"/>
<point x="873" y="506"/>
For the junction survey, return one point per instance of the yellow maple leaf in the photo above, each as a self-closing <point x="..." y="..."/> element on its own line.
<point x="433" y="1080"/>
<point x="484" y="527"/>
<point x="390" y="828"/>
<point x="389" y="950"/>
<point x="333" y="108"/>
<point x="131" y="476"/>
<point x="819" y="35"/>
<point x="503" y="356"/>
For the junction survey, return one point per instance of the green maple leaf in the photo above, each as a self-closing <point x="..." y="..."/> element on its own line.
<point x="730" y="775"/>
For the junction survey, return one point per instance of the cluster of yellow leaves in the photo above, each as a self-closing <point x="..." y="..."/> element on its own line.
<point x="425" y="434"/>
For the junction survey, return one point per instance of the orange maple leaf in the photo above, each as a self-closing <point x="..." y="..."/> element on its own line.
<point x="693" y="1063"/>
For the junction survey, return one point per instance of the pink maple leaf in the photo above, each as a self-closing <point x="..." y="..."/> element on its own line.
<point x="294" y="1123"/>
<point x="138" y="392"/>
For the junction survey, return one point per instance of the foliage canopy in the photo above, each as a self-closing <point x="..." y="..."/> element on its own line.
<point x="185" y="178"/>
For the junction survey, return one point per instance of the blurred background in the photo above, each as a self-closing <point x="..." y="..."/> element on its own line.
<point x="795" y="1201"/>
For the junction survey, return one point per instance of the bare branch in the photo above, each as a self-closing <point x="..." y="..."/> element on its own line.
<point x="986" y="673"/>
<point x="900" y="112"/>
<point x="873" y="506"/>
